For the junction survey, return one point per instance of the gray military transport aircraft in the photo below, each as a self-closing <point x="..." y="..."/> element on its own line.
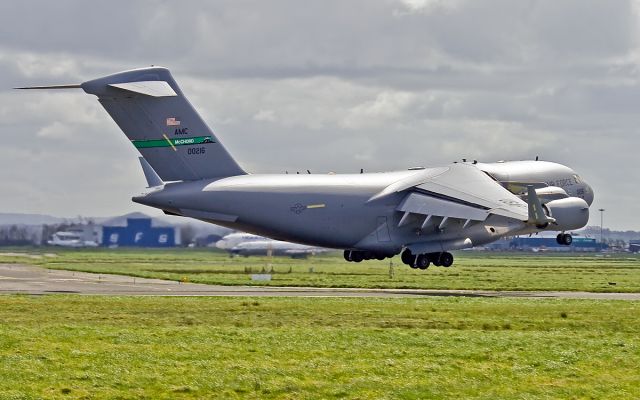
<point x="422" y="213"/>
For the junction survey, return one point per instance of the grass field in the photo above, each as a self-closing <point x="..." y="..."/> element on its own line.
<point x="473" y="270"/>
<point x="69" y="347"/>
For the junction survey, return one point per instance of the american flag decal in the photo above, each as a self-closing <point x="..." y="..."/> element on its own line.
<point x="173" y="121"/>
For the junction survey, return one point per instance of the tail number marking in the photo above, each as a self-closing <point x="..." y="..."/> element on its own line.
<point x="196" y="150"/>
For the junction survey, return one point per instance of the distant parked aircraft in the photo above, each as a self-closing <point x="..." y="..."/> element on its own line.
<point x="70" y="239"/>
<point x="246" y="244"/>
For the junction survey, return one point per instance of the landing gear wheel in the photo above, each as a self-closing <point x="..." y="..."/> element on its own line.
<point x="567" y="240"/>
<point x="407" y="257"/>
<point x="380" y="257"/>
<point x="357" y="256"/>
<point x="564" y="239"/>
<point x="446" y="259"/>
<point x="436" y="259"/>
<point x="347" y="255"/>
<point x="414" y="263"/>
<point x="422" y="261"/>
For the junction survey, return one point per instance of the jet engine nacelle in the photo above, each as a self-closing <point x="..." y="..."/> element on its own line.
<point x="550" y="193"/>
<point x="570" y="213"/>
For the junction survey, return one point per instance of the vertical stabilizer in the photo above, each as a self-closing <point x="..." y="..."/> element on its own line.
<point x="154" y="114"/>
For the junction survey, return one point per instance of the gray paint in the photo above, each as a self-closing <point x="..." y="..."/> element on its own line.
<point x="427" y="210"/>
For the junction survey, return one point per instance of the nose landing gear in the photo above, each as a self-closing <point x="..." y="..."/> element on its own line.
<point x="564" y="239"/>
<point x="422" y="261"/>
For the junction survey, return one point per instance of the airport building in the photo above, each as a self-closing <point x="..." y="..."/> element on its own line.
<point x="20" y="235"/>
<point x="139" y="232"/>
<point x="549" y="243"/>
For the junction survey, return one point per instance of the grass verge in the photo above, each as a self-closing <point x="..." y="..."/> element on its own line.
<point x="473" y="270"/>
<point x="285" y="348"/>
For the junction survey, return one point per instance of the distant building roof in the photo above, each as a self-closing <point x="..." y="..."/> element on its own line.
<point x="138" y="232"/>
<point x="122" y="220"/>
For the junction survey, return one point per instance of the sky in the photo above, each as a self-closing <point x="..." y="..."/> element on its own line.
<point x="326" y="86"/>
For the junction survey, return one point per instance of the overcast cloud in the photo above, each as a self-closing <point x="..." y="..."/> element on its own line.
<point x="326" y="86"/>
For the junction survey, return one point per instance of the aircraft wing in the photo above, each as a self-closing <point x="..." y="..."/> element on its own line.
<point x="459" y="191"/>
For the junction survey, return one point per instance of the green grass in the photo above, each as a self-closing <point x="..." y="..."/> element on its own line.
<point x="69" y="347"/>
<point x="473" y="270"/>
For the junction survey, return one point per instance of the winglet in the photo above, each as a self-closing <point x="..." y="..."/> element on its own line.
<point x="537" y="215"/>
<point x="150" y="174"/>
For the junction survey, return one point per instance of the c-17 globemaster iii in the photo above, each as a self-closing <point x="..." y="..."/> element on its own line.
<point x="422" y="213"/>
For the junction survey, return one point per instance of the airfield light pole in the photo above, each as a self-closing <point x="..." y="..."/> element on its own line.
<point x="601" y="225"/>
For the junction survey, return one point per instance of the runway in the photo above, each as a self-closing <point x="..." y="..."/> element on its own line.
<point x="24" y="279"/>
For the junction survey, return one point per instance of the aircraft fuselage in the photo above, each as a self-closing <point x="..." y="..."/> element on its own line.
<point x="335" y="210"/>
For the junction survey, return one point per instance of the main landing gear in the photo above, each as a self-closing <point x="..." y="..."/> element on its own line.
<point x="422" y="261"/>
<point x="358" y="256"/>
<point x="564" y="239"/>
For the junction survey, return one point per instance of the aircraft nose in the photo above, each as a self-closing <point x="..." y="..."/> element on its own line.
<point x="588" y="194"/>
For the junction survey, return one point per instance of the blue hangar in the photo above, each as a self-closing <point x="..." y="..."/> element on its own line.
<point x="138" y="232"/>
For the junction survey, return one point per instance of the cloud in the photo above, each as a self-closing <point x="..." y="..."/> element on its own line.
<point x="386" y="107"/>
<point x="266" y="116"/>
<point x="430" y="6"/>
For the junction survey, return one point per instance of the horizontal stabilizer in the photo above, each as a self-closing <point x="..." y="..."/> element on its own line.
<point x="150" y="174"/>
<point x="148" y="88"/>
<point x="71" y="86"/>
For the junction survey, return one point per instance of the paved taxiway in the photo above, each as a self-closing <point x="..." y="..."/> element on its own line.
<point x="33" y="280"/>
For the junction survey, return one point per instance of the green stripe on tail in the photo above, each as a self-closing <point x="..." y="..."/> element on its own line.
<point x="145" y="144"/>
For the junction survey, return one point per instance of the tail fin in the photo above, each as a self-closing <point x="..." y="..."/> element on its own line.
<point x="151" y="110"/>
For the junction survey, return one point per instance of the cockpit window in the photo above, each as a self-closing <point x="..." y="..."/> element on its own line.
<point x="577" y="179"/>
